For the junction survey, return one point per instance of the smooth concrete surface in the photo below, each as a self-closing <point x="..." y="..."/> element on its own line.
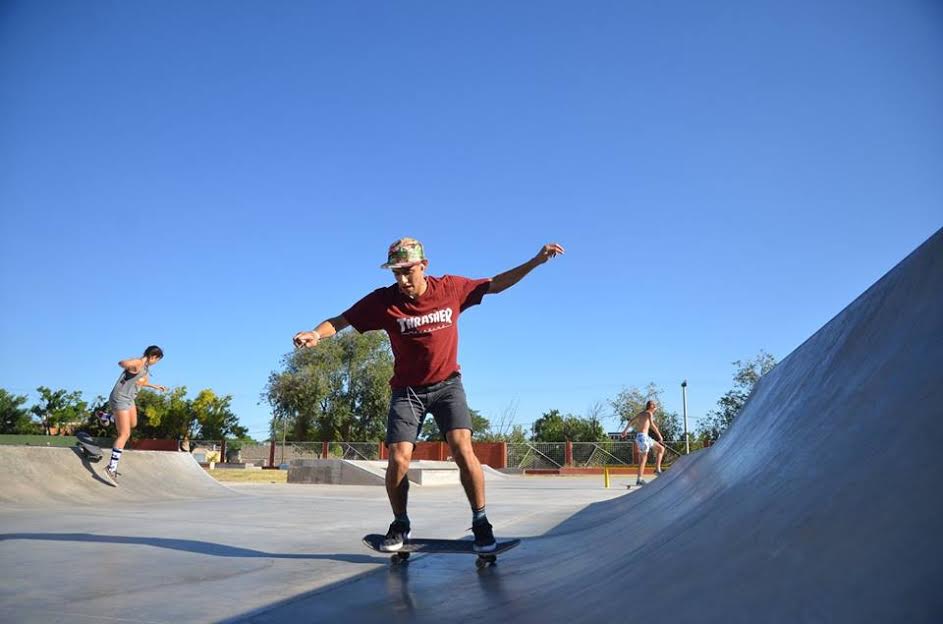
<point x="40" y="475"/>
<point x="820" y="504"/>
<point x="216" y="559"/>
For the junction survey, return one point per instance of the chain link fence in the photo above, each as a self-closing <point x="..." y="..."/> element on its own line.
<point x="354" y="450"/>
<point x="536" y="455"/>
<point x="288" y="451"/>
<point x="553" y="455"/>
<point x="522" y="456"/>
<point x="257" y="454"/>
<point x="593" y="454"/>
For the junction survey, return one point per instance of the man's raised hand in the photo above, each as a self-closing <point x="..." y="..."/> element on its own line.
<point x="550" y="250"/>
<point x="305" y="339"/>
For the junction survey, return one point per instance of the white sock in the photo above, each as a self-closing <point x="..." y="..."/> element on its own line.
<point x="115" y="458"/>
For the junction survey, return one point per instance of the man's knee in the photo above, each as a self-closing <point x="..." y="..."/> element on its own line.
<point x="464" y="454"/>
<point x="400" y="456"/>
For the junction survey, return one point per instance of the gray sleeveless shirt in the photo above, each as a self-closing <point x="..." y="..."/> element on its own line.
<point x="126" y="389"/>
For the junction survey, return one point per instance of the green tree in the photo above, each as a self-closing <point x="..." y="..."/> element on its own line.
<point x="171" y="415"/>
<point x="553" y="426"/>
<point x="728" y="406"/>
<point x="60" y="409"/>
<point x="516" y="435"/>
<point x="215" y="417"/>
<point x="338" y="390"/>
<point x="163" y="415"/>
<point x="630" y="401"/>
<point x="13" y="417"/>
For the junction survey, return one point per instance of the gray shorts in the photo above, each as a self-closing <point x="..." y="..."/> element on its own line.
<point x="445" y="400"/>
<point x="120" y="403"/>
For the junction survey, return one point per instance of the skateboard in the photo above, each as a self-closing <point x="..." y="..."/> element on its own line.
<point x="87" y="447"/>
<point x="440" y="547"/>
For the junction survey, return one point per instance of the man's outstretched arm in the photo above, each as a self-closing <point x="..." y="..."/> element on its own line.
<point x="327" y="328"/>
<point x="503" y="281"/>
<point x="655" y="428"/>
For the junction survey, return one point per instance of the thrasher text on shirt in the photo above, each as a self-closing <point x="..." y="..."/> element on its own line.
<point x="412" y="324"/>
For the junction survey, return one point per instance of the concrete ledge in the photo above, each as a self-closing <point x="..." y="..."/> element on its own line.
<point x="356" y="472"/>
<point x="334" y="472"/>
<point x="434" y="476"/>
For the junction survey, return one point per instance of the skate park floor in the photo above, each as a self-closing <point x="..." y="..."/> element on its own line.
<point x="221" y="558"/>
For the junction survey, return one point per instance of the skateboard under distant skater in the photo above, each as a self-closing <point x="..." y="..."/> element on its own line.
<point x="87" y="447"/>
<point x="440" y="547"/>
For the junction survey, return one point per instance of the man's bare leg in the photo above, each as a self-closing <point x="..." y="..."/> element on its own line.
<point x="469" y="467"/>
<point x="473" y="481"/>
<point x="643" y="459"/>
<point x="659" y="455"/>
<point x="397" y="484"/>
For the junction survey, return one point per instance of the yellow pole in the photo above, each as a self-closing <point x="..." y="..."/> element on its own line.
<point x="605" y="473"/>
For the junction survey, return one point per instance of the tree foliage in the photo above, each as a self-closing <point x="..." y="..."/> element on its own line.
<point x="338" y="390"/>
<point x="14" y="418"/>
<point x="728" y="406"/>
<point x="215" y="417"/>
<point x="169" y="415"/>
<point x="553" y="426"/>
<point x="172" y="415"/>
<point x="59" y="409"/>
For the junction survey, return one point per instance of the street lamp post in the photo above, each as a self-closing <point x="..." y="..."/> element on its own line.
<point x="684" y="398"/>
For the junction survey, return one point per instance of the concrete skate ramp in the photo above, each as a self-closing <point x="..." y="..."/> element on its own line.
<point x="821" y="503"/>
<point x="337" y="472"/>
<point x="36" y="475"/>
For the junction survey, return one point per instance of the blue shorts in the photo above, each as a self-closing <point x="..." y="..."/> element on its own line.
<point x="644" y="442"/>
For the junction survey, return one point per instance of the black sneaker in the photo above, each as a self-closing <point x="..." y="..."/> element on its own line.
<point x="395" y="537"/>
<point x="484" y="537"/>
<point x="641" y="482"/>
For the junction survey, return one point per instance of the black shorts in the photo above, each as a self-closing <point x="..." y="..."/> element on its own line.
<point x="445" y="400"/>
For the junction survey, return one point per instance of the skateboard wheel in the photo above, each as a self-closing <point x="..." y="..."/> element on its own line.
<point x="485" y="560"/>
<point x="402" y="557"/>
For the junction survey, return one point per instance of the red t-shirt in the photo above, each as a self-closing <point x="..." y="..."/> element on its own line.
<point x="423" y="332"/>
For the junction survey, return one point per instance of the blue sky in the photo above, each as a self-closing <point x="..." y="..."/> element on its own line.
<point x="214" y="176"/>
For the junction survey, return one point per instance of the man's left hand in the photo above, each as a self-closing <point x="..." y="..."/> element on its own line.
<point x="550" y="250"/>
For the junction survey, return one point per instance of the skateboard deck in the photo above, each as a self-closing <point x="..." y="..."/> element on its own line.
<point x="440" y="547"/>
<point x="87" y="446"/>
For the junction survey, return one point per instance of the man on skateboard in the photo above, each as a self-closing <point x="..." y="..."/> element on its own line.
<point x="420" y="314"/>
<point x="642" y="422"/>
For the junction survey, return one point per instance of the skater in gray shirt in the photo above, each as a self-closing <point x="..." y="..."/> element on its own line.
<point x="133" y="377"/>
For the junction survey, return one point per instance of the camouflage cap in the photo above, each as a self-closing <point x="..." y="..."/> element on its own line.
<point x="403" y="253"/>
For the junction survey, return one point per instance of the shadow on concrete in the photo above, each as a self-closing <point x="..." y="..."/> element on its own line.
<point x="193" y="546"/>
<point x="401" y="592"/>
<point x="87" y="464"/>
